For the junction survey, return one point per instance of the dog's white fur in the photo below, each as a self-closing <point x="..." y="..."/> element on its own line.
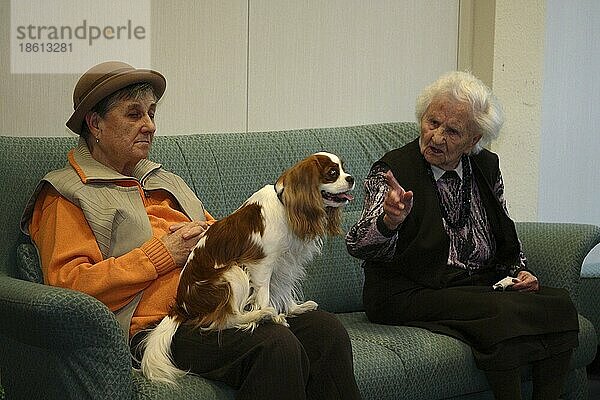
<point x="258" y="278"/>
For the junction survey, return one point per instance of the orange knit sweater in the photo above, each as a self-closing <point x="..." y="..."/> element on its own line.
<point x="71" y="258"/>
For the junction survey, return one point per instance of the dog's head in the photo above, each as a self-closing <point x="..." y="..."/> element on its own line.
<point x="313" y="191"/>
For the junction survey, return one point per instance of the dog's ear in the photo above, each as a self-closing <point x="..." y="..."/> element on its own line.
<point x="302" y="198"/>
<point x="334" y="221"/>
<point x="279" y="186"/>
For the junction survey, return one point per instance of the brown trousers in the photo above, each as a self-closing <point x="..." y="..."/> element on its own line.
<point x="312" y="359"/>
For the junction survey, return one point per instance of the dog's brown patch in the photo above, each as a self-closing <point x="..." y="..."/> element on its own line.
<point x="203" y="294"/>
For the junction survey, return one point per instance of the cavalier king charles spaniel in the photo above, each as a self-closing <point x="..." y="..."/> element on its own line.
<point x="248" y="266"/>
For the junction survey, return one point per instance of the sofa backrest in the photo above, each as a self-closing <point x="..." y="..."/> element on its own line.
<point x="23" y="163"/>
<point x="223" y="169"/>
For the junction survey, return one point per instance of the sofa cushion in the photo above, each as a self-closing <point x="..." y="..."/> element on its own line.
<point x="235" y="165"/>
<point x="436" y="366"/>
<point x="379" y="371"/>
<point x="334" y="279"/>
<point x="24" y="161"/>
<point x="229" y="168"/>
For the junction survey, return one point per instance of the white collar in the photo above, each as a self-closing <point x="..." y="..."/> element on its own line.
<point x="438" y="172"/>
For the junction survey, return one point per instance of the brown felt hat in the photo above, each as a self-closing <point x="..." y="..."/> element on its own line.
<point x="103" y="80"/>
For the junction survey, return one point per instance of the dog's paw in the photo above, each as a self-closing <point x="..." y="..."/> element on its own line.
<point x="307" y="306"/>
<point x="248" y="321"/>
<point x="248" y="326"/>
<point x="269" y="312"/>
<point x="281" y="320"/>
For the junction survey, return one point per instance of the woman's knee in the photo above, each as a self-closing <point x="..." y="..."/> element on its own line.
<point x="322" y="330"/>
<point x="280" y="344"/>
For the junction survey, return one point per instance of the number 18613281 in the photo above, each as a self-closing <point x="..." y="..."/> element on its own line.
<point x="48" y="47"/>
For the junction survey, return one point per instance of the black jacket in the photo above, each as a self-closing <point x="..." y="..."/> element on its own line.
<point x="422" y="248"/>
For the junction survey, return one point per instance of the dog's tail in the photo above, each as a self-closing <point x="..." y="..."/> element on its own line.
<point x="157" y="361"/>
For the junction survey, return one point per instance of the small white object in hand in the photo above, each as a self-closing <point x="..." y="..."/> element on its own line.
<point x="505" y="283"/>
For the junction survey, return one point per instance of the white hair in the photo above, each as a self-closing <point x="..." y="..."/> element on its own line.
<point x="486" y="111"/>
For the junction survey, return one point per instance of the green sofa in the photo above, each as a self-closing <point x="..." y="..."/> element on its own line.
<point x="58" y="344"/>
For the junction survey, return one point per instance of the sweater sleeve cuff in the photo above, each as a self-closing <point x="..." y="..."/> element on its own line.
<point x="159" y="256"/>
<point x="382" y="227"/>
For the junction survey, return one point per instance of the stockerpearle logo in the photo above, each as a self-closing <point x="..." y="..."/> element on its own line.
<point x="69" y="36"/>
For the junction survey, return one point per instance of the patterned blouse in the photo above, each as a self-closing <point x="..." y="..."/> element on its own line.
<point x="470" y="246"/>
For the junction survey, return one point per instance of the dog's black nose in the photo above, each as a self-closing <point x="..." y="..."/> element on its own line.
<point x="350" y="179"/>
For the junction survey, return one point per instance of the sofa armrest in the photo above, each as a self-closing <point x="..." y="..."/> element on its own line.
<point x="74" y="338"/>
<point x="555" y="251"/>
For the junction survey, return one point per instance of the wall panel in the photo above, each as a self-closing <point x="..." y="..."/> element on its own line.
<point x="342" y="62"/>
<point x="200" y="46"/>
<point x="310" y="63"/>
<point x="569" y="183"/>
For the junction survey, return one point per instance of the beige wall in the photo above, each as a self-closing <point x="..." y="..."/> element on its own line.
<point x="545" y="70"/>
<point x="201" y="48"/>
<point x="569" y="182"/>
<point x="502" y="42"/>
<point x="476" y="38"/>
<point x="344" y="62"/>
<point x="250" y="65"/>
<point x="518" y="82"/>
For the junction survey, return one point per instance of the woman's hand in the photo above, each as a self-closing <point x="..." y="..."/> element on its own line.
<point x="527" y="282"/>
<point x="397" y="203"/>
<point x="182" y="239"/>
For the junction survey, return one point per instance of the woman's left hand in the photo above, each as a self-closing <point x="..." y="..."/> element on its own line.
<point x="527" y="282"/>
<point x="192" y="229"/>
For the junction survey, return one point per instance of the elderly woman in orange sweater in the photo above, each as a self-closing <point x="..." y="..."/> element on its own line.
<point x="117" y="226"/>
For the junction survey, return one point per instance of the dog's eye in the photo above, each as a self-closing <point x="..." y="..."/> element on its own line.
<point x="333" y="173"/>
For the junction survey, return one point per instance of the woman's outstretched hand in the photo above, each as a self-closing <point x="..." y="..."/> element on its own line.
<point x="397" y="203"/>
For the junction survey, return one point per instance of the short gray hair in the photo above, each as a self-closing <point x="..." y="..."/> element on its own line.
<point x="486" y="110"/>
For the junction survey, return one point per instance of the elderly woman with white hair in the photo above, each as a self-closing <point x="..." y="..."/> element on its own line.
<point x="435" y="237"/>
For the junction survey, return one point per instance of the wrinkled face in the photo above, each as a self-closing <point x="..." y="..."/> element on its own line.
<point x="335" y="181"/>
<point x="125" y="133"/>
<point x="446" y="133"/>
